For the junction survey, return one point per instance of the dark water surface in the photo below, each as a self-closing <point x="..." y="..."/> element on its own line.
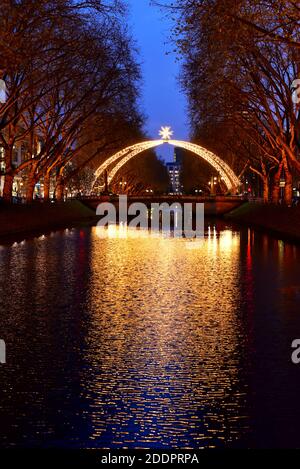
<point x="149" y="342"/>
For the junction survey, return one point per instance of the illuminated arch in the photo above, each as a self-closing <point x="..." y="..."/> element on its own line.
<point x="132" y="150"/>
<point x="229" y="177"/>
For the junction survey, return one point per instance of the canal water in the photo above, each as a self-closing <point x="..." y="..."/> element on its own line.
<point x="150" y="343"/>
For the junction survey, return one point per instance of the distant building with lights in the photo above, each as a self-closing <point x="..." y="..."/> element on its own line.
<point x="174" y="170"/>
<point x="20" y="154"/>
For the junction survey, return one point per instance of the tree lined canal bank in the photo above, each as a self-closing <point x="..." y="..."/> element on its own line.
<point x="278" y="220"/>
<point x="24" y="219"/>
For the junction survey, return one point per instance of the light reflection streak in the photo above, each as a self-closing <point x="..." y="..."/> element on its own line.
<point x="164" y="329"/>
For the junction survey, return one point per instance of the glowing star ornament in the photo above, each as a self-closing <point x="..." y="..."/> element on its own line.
<point x="166" y="133"/>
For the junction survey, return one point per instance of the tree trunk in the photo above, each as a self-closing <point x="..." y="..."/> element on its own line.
<point x="31" y="182"/>
<point x="30" y="189"/>
<point x="46" y="187"/>
<point x="59" y="190"/>
<point x="288" y="189"/>
<point x="276" y="185"/>
<point x="266" y="189"/>
<point x="9" y="176"/>
<point x="7" y="188"/>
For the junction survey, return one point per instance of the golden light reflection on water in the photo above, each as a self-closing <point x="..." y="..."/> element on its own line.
<point x="163" y="349"/>
<point x="150" y="341"/>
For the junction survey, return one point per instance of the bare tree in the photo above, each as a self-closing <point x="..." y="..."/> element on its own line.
<point x="239" y="78"/>
<point x="66" y="62"/>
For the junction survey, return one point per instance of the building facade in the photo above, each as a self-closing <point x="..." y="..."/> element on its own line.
<point x="174" y="170"/>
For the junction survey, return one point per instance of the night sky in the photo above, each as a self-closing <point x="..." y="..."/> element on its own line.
<point x="162" y="100"/>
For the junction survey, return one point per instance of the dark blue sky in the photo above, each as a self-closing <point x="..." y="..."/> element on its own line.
<point x="162" y="100"/>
